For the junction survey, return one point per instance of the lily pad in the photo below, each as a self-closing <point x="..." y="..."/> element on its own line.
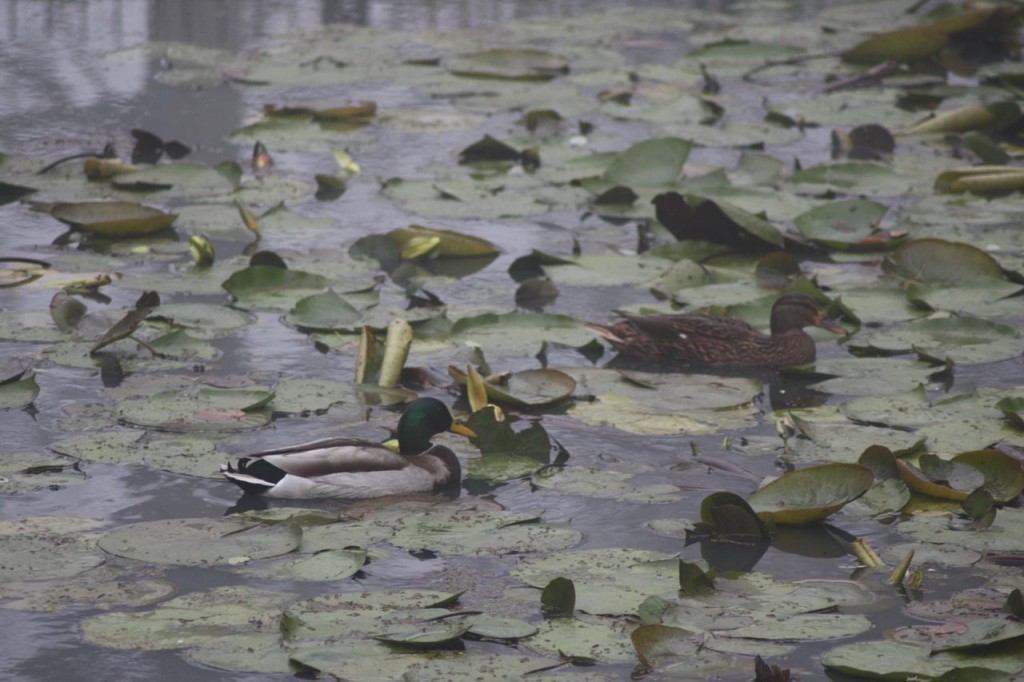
<point x="201" y="542"/>
<point x="605" y="484"/>
<point x="447" y="243"/>
<point x="205" y="408"/>
<point x="483" y="533"/>
<point x="812" y="494"/>
<point x="112" y="218"/>
<point x="527" y="64"/>
<point x="18" y="392"/>
<point x="268" y="287"/>
<point x="324" y="312"/>
<point x="529" y="388"/>
<point x="518" y="333"/>
<point x="964" y="338"/>
<point x="192" y="619"/>
<point x="332" y="564"/>
<point x="46" y="549"/>
<point x="848" y="224"/>
<point x="938" y="260"/>
<point x="651" y="162"/>
<point x="649" y="403"/>
<point x="22" y="472"/>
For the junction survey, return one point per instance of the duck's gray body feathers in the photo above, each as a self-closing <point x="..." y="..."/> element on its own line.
<point x="343" y="468"/>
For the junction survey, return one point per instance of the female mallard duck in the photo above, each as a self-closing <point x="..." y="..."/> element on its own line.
<point x="355" y="468"/>
<point x="695" y="340"/>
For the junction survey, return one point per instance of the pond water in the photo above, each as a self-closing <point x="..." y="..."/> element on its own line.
<point x="76" y="78"/>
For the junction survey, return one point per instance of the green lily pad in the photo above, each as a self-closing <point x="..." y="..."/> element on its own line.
<point x="983" y="298"/>
<point x="182" y="179"/>
<point x="862" y="177"/>
<point x="204" y="317"/>
<point x="19" y="392"/>
<point x="112" y="218"/>
<point x="593" y="638"/>
<point x="205" y="408"/>
<point x="938" y="260"/>
<point x="518" y="333"/>
<point x="846" y="224"/>
<point x="604" y="484"/>
<point x="332" y="564"/>
<point x="648" y="403"/>
<point x="267" y="287"/>
<point x="526" y="64"/>
<point x="192" y="619"/>
<point x="449" y="243"/>
<point x="1004" y="475"/>
<point x="102" y="587"/>
<point x="963" y="338"/>
<point x="496" y="668"/>
<point x="484" y="533"/>
<point x="201" y="542"/>
<point x="324" y="312"/>
<point x="651" y="162"/>
<point x="46" y="549"/>
<point x="185" y="454"/>
<point x="22" y="472"/>
<point x="529" y="388"/>
<point x="812" y="494"/>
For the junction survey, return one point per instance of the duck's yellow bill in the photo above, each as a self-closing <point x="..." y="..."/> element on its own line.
<point x="460" y="428"/>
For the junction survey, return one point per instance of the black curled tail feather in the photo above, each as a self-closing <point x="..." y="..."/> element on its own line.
<point x="266" y="473"/>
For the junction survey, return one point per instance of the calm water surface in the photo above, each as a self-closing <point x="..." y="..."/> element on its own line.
<point x="57" y="97"/>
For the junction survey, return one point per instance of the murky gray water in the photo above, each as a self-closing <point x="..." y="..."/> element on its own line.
<point x="57" y="97"/>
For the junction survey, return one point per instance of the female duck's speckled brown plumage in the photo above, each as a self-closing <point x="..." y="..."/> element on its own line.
<point x="705" y="340"/>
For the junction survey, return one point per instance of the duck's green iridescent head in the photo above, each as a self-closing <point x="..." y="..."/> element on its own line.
<point x="423" y="419"/>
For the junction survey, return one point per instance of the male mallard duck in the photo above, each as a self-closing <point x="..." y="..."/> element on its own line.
<point x="694" y="339"/>
<point x="355" y="468"/>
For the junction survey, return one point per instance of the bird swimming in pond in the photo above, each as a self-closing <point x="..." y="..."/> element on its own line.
<point x="694" y="339"/>
<point x="355" y="468"/>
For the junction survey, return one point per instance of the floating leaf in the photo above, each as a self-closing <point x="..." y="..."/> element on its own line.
<point x="18" y="392"/>
<point x="651" y="162"/>
<point x="450" y="243"/>
<point x="266" y="286"/>
<point x="529" y="388"/>
<point x="715" y="220"/>
<point x="201" y="542"/>
<point x="519" y="333"/>
<point x="183" y="178"/>
<point x="212" y="409"/>
<point x="195" y="618"/>
<point x="112" y="218"/>
<point x="904" y="44"/>
<point x="46" y="549"/>
<point x="812" y="494"/>
<point x="983" y="180"/>
<point x="851" y="224"/>
<point x="993" y="116"/>
<point x="1004" y="475"/>
<point x="938" y="260"/>
<point x="510" y="64"/>
<point x="324" y="312"/>
<point x="22" y="472"/>
<point x="559" y="597"/>
<point x="488" y="149"/>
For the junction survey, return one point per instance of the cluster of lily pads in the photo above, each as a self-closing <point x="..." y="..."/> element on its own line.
<point x="909" y="234"/>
